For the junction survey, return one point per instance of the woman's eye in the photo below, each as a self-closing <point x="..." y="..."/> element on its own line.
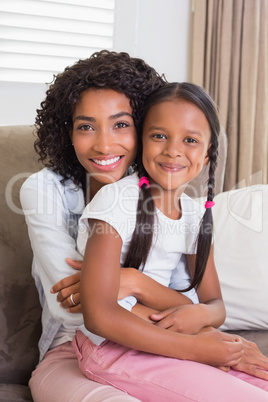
<point x="85" y="127"/>
<point x="121" y="124"/>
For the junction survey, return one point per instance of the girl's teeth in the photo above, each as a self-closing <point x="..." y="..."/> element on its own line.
<point x="106" y="162"/>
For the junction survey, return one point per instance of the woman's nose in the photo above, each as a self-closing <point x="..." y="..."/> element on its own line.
<point x="104" y="142"/>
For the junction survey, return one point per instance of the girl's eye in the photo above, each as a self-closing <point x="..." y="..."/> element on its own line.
<point x="159" y="136"/>
<point x="121" y="124"/>
<point x="190" y="140"/>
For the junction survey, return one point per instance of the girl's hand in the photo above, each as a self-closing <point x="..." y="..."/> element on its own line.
<point x="218" y="349"/>
<point x="187" y="319"/>
<point x="69" y="286"/>
<point x="253" y="362"/>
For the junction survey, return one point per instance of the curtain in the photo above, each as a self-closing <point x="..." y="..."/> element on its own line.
<point x="230" y="60"/>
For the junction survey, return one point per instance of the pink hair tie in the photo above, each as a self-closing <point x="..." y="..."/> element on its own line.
<point x="144" y="180"/>
<point x="209" y="204"/>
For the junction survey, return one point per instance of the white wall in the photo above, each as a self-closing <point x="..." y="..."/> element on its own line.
<point x="156" y="30"/>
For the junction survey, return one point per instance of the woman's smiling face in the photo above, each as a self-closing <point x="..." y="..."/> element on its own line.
<point x="104" y="135"/>
<point x="176" y="138"/>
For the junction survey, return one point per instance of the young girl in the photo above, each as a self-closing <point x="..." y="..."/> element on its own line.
<point x="146" y="222"/>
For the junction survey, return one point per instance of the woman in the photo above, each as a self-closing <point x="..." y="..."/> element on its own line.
<point x="54" y="198"/>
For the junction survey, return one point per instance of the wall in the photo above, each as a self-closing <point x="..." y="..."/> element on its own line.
<point x="155" y="30"/>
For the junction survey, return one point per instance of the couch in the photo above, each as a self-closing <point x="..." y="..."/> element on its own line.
<point x="244" y="280"/>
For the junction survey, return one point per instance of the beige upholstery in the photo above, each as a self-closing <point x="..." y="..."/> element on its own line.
<point x="19" y="305"/>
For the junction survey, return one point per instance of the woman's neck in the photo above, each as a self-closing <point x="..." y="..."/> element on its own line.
<point x="92" y="187"/>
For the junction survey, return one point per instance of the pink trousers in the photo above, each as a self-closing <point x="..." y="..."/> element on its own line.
<point x="159" y="379"/>
<point x="58" y="379"/>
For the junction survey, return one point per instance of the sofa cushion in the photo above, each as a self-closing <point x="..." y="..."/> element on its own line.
<point x="14" y="393"/>
<point x="241" y="255"/>
<point x="19" y="303"/>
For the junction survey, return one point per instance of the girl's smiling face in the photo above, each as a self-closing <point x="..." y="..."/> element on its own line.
<point x="176" y="139"/>
<point x="104" y="135"/>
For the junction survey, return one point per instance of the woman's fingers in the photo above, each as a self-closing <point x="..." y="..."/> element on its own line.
<point x="64" y="287"/>
<point x="74" y="263"/>
<point x="71" y="301"/>
<point x="253" y="362"/>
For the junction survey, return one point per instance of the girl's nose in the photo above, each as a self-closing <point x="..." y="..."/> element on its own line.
<point x="173" y="149"/>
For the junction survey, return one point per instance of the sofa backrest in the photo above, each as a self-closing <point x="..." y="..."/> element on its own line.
<point x="19" y="303"/>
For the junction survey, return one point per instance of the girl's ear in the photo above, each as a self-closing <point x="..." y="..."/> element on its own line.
<point x="207" y="157"/>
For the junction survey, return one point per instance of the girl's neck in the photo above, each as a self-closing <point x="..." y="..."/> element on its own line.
<point x="168" y="202"/>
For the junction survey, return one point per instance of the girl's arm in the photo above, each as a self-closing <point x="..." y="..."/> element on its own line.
<point x="210" y="310"/>
<point x="209" y="293"/>
<point x="147" y="291"/>
<point x="103" y="316"/>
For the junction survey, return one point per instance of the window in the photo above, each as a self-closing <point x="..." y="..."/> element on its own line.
<point x="39" y="38"/>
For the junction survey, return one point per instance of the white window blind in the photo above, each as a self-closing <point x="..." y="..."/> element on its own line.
<point x="39" y="38"/>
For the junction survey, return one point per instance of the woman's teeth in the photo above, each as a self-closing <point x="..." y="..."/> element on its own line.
<point x="105" y="162"/>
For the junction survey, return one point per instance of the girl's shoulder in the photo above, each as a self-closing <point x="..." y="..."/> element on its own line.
<point x="127" y="186"/>
<point x="193" y="206"/>
<point x="118" y="198"/>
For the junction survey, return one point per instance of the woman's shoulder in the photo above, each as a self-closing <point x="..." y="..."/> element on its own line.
<point x="44" y="175"/>
<point x="47" y="176"/>
<point x="49" y="184"/>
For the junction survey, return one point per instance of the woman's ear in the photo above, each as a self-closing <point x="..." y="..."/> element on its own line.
<point x="71" y="135"/>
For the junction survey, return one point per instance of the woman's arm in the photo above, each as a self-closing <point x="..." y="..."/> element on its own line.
<point x="43" y="201"/>
<point x="68" y="286"/>
<point x="103" y="316"/>
<point x="147" y="291"/>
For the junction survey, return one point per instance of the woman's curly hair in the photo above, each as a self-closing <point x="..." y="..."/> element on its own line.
<point x="103" y="70"/>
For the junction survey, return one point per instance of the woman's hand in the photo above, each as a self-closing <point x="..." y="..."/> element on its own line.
<point x="253" y="362"/>
<point x="68" y="287"/>
<point x="129" y="283"/>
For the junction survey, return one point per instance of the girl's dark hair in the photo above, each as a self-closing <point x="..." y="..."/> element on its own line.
<point x="142" y="236"/>
<point x="103" y="70"/>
